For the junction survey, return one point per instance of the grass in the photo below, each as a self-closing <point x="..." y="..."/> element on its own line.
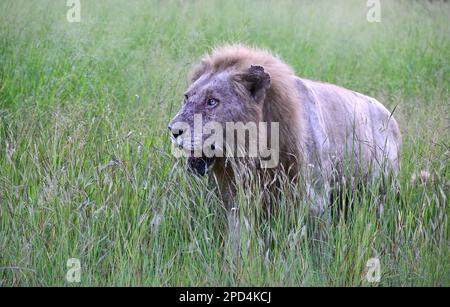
<point x="85" y="164"/>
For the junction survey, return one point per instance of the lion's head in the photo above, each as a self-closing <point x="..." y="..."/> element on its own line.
<point x="214" y="98"/>
<point x="249" y="89"/>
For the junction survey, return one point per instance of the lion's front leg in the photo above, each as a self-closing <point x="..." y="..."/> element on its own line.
<point x="318" y="192"/>
<point x="233" y="235"/>
<point x="320" y="211"/>
<point x="223" y="179"/>
<point x="234" y="231"/>
<point x="318" y="188"/>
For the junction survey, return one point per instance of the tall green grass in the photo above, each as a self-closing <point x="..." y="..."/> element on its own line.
<point x="85" y="164"/>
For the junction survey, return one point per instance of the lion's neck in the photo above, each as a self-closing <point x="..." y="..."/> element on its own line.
<point x="283" y="110"/>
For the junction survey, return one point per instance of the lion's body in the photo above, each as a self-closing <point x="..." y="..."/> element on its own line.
<point x="324" y="129"/>
<point x="347" y="135"/>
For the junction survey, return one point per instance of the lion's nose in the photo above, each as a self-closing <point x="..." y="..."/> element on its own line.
<point x="176" y="132"/>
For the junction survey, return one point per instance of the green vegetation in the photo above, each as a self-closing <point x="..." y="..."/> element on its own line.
<point x="85" y="164"/>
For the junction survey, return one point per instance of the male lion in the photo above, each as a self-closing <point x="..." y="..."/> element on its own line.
<point x="324" y="130"/>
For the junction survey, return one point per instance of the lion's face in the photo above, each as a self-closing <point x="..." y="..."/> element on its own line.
<point x="211" y="101"/>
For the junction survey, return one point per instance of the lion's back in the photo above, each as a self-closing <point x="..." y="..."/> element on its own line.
<point x="343" y="125"/>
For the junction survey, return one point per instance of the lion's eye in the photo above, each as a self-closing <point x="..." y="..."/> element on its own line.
<point x="212" y="102"/>
<point x="186" y="97"/>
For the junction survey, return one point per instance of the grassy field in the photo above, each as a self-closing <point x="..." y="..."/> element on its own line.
<point x="85" y="164"/>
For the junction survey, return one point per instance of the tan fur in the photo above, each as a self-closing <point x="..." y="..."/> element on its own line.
<point x="319" y="123"/>
<point x="326" y="132"/>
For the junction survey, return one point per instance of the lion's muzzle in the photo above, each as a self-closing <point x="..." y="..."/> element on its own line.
<point x="200" y="166"/>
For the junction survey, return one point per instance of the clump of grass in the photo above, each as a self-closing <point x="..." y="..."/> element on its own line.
<point x="85" y="164"/>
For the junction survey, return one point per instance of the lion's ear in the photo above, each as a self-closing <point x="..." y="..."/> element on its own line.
<point x="256" y="81"/>
<point x="199" y="70"/>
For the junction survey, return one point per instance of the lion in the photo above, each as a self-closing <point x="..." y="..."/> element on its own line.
<point x="321" y="126"/>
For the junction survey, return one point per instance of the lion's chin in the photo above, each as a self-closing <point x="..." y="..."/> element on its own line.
<point x="200" y="166"/>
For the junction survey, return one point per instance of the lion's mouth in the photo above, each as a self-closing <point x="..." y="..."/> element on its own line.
<point x="200" y="166"/>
